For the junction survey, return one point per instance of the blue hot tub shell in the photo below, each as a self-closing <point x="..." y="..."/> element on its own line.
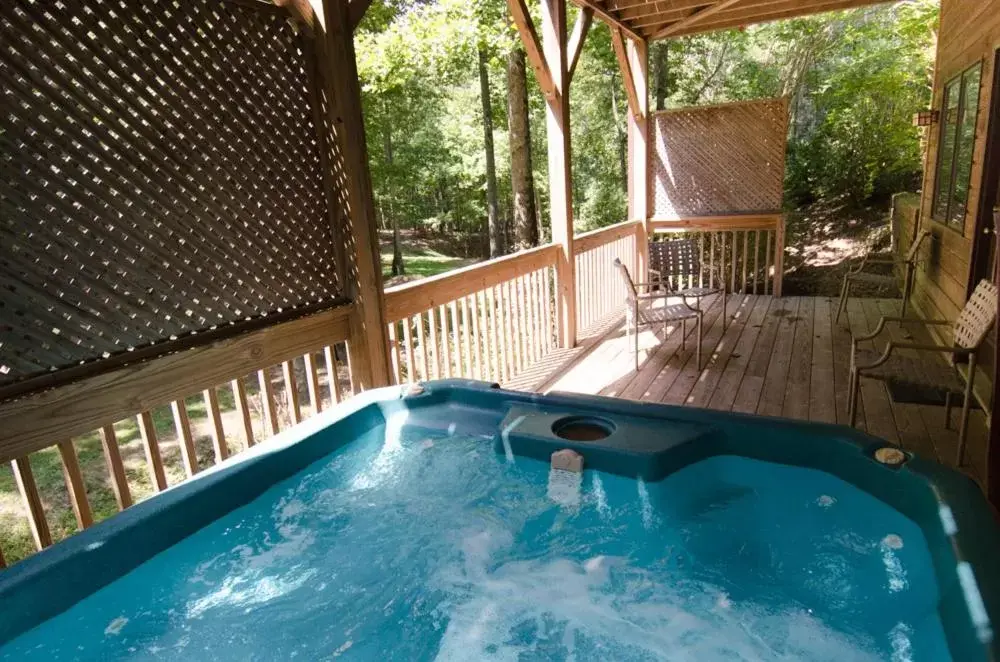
<point x="639" y="440"/>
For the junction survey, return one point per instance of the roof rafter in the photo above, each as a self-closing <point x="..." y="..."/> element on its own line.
<point x="698" y="16"/>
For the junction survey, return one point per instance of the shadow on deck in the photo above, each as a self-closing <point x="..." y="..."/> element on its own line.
<point x="779" y="357"/>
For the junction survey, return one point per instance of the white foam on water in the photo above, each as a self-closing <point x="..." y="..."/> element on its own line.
<point x="565" y="487"/>
<point x="383" y="467"/>
<point x="505" y="437"/>
<point x="601" y="497"/>
<point x="899" y="639"/>
<point x="893" y="566"/>
<point x="642" y="617"/>
<point x="648" y="516"/>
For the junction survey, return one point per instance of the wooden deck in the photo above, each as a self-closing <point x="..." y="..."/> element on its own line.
<point x="779" y="357"/>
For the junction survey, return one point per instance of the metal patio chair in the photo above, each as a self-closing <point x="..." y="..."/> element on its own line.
<point x="968" y="333"/>
<point x="675" y="261"/>
<point x="859" y="275"/>
<point x="641" y="309"/>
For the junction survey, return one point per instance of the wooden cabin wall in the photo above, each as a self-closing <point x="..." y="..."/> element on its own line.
<point x="969" y="33"/>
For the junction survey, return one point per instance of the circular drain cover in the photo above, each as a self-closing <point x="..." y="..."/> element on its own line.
<point x="583" y="428"/>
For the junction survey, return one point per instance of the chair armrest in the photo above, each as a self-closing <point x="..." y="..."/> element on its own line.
<point x="920" y="347"/>
<point x="895" y="318"/>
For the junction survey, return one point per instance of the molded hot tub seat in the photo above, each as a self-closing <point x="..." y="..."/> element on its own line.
<point x="635" y="440"/>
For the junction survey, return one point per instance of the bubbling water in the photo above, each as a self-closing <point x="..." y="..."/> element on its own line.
<point x="418" y="546"/>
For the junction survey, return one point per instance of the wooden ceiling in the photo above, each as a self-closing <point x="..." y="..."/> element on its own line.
<point x="661" y="19"/>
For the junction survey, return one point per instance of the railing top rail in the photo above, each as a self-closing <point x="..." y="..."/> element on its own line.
<point x="40" y="420"/>
<point x="408" y="299"/>
<point x="591" y="240"/>
<point x="766" y="221"/>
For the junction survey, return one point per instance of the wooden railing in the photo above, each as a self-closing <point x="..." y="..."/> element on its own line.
<point x="598" y="288"/>
<point x="488" y="321"/>
<point x="160" y="422"/>
<point x="747" y="250"/>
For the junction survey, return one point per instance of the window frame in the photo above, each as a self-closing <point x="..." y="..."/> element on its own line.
<point x="959" y="84"/>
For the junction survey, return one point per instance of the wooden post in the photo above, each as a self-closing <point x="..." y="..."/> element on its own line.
<point x="553" y="61"/>
<point x="368" y="343"/>
<point x="560" y="170"/>
<point x="638" y="151"/>
<point x="779" y="255"/>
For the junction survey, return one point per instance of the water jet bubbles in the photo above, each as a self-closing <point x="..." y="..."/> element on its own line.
<point x="825" y="501"/>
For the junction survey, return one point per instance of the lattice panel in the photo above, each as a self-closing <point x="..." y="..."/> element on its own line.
<point x="726" y="159"/>
<point x="160" y="176"/>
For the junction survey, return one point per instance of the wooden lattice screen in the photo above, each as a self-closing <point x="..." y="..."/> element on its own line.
<point x="162" y="179"/>
<point x="713" y="160"/>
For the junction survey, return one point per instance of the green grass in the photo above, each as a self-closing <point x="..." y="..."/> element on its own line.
<point x="423" y="262"/>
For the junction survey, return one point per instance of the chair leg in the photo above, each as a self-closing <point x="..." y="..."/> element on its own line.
<point x="855" y="387"/>
<point x="725" y="318"/>
<point x="684" y="332"/>
<point x="844" y="289"/>
<point x="636" y="339"/>
<point x="698" y="351"/>
<point x="947" y="410"/>
<point x="963" y="430"/>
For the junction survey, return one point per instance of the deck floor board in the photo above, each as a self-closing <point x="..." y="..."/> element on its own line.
<point x="785" y="357"/>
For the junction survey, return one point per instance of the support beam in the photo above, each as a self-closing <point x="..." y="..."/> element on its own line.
<point x="560" y="170"/>
<point x="532" y="46"/>
<point x="356" y="11"/>
<point x="698" y="16"/>
<point x="580" y="30"/>
<point x="637" y="61"/>
<point x="599" y="9"/>
<point x="368" y="342"/>
<point x="628" y="80"/>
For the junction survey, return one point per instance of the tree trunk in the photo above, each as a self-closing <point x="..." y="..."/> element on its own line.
<point x="495" y="231"/>
<point x="661" y="53"/>
<point x="521" y="182"/>
<point x="398" y="269"/>
<point x="620" y="135"/>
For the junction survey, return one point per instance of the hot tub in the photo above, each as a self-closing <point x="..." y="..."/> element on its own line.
<point x="429" y="525"/>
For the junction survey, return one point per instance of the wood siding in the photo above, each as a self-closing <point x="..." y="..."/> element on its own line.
<point x="969" y="33"/>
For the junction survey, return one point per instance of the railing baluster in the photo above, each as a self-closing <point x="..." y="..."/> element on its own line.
<point x="756" y="261"/>
<point x="189" y="456"/>
<point x="411" y="366"/>
<point x="746" y="252"/>
<point x="154" y="461"/>
<point x="425" y="375"/>
<point x="496" y="372"/>
<point x="436" y="364"/>
<point x="477" y="334"/>
<point x="75" y="486"/>
<point x="767" y="262"/>
<point x="467" y="332"/>
<point x="218" y="434"/>
<point x="456" y="336"/>
<point x="113" y="459"/>
<point x="332" y="378"/>
<point x="243" y="411"/>
<point x="445" y="341"/>
<point x="267" y="402"/>
<point x="394" y="352"/>
<point x="312" y="382"/>
<point x="549" y="331"/>
<point x="25" y="480"/>
<point x="291" y="391"/>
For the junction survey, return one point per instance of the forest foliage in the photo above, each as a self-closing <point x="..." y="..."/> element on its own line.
<point x="854" y="79"/>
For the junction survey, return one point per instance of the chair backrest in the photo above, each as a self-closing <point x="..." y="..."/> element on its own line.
<point x="630" y="292"/>
<point x="911" y="254"/>
<point x="675" y="257"/>
<point x="977" y="317"/>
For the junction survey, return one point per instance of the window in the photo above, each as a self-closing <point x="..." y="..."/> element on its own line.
<point x="958" y="138"/>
